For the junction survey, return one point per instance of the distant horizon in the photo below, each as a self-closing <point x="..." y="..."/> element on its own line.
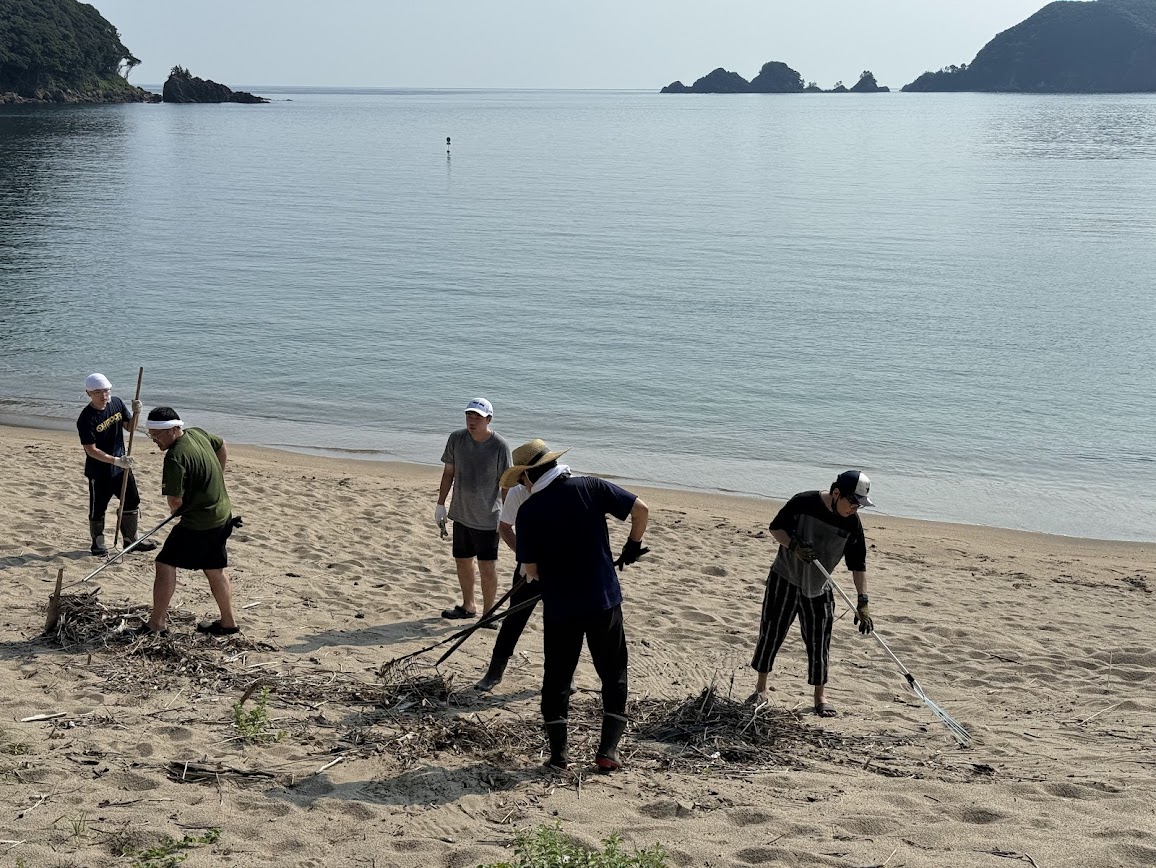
<point x="516" y="45"/>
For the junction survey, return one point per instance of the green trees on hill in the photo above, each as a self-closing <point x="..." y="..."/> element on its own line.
<point x="50" y="45"/>
<point x="1108" y="46"/>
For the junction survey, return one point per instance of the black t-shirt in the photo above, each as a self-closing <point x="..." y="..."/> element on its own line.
<point x="832" y="536"/>
<point x="105" y="430"/>
<point x="562" y="529"/>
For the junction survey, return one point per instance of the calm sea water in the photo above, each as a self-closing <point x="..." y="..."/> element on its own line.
<point x="954" y="292"/>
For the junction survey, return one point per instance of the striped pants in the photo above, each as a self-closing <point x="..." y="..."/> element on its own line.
<point x="781" y="603"/>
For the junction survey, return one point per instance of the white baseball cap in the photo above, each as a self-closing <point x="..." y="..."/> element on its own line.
<point x="96" y="381"/>
<point x="480" y="406"/>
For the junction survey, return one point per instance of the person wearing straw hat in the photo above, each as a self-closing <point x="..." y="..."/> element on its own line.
<point x="101" y="426"/>
<point x="475" y="458"/>
<point x="193" y="482"/>
<point x="527" y="455"/>
<point x="813" y="526"/>
<point x="563" y="542"/>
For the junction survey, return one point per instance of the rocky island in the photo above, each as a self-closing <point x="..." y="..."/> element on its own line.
<point x="184" y="87"/>
<point x="63" y="51"/>
<point x="774" y="77"/>
<point x="1104" y="46"/>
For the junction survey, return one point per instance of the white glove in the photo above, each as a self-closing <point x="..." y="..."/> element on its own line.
<point x="440" y="513"/>
<point x="137" y="406"/>
<point x="125" y="462"/>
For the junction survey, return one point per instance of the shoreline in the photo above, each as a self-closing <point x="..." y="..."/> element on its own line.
<point x="668" y="496"/>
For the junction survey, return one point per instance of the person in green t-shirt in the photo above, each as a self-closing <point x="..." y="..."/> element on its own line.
<point x="193" y="482"/>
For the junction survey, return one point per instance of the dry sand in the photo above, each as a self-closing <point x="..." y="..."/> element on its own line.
<point x="1042" y="646"/>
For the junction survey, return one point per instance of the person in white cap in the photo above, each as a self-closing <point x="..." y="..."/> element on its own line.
<point x="475" y="458"/>
<point x="193" y="483"/>
<point x="101" y="426"/>
<point x="813" y="526"/>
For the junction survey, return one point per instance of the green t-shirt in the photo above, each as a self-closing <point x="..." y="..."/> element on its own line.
<point x="192" y="472"/>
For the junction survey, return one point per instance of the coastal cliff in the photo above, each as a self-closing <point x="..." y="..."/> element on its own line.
<point x="63" y="51"/>
<point x="1104" y="46"/>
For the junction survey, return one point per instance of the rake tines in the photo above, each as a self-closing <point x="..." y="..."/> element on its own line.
<point x="957" y="729"/>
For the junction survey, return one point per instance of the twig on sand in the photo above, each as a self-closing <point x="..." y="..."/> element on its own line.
<point x="1011" y="854"/>
<point x="1101" y="711"/>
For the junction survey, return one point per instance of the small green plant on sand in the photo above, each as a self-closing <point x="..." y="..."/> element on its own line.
<point x="547" y="847"/>
<point x="254" y="724"/>
<point x="79" y="826"/>
<point x="171" y="853"/>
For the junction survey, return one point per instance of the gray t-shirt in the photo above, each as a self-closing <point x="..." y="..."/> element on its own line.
<point x="477" y="469"/>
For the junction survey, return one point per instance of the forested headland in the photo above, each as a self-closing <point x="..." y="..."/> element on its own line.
<point x="63" y="51"/>
<point x="1107" y="46"/>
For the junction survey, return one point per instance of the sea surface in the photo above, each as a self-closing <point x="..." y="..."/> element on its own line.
<point x="954" y="292"/>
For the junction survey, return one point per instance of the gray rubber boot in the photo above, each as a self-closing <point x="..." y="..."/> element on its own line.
<point x="608" y="759"/>
<point x="493" y="676"/>
<point x="96" y="531"/>
<point x="129" y="525"/>
<point x="559" y="752"/>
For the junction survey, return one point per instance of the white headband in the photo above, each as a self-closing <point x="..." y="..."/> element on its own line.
<point x="163" y="424"/>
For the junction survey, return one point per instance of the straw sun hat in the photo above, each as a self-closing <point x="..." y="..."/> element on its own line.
<point x="528" y="455"/>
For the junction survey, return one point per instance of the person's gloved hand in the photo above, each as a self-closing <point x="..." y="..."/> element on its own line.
<point x="137" y="406"/>
<point x="632" y="550"/>
<point x="802" y="550"/>
<point x="441" y="513"/>
<point x="124" y="462"/>
<point x="863" y="616"/>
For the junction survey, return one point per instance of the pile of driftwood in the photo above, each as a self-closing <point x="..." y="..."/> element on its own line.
<point x="415" y="713"/>
<point x="716" y="728"/>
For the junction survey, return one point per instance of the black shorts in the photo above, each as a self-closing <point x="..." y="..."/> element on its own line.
<point x="197" y="549"/>
<point x="470" y="542"/>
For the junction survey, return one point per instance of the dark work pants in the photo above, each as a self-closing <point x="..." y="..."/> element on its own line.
<point x="513" y="625"/>
<point x="101" y="491"/>
<point x="562" y="646"/>
<point x="781" y="603"/>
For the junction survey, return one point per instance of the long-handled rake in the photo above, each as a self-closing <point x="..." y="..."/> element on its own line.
<point x="957" y="730"/>
<point x="114" y="558"/>
<point x="461" y="635"/>
<point x="124" y="475"/>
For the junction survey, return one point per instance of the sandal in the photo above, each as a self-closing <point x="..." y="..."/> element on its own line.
<point x="215" y="629"/>
<point x="458" y="613"/>
<point x="824" y="710"/>
<point x="145" y="630"/>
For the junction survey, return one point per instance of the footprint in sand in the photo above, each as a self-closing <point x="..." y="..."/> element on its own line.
<point x="747" y="817"/>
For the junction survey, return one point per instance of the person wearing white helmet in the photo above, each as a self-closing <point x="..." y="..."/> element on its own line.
<point x="821" y="526"/>
<point x="101" y="426"/>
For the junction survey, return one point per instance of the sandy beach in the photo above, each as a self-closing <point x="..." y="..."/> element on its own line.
<point x="1042" y="646"/>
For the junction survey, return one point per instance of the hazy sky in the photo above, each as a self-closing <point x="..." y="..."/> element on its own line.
<point x="545" y="44"/>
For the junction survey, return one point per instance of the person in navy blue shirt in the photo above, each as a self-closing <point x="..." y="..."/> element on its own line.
<point x="564" y="544"/>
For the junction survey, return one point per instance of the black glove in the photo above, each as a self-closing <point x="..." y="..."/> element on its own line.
<point x="802" y="550"/>
<point x="631" y="552"/>
<point x="863" y="616"/>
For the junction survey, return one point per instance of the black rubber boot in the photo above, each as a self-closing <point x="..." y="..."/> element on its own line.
<point x="559" y="752"/>
<point x="608" y="759"/>
<point x="96" y="531"/>
<point x="128" y="527"/>
<point x="493" y="676"/>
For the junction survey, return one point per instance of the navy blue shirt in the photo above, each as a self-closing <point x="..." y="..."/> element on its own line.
<point x="562" y="529"/>
<point x="105" y="430"/>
